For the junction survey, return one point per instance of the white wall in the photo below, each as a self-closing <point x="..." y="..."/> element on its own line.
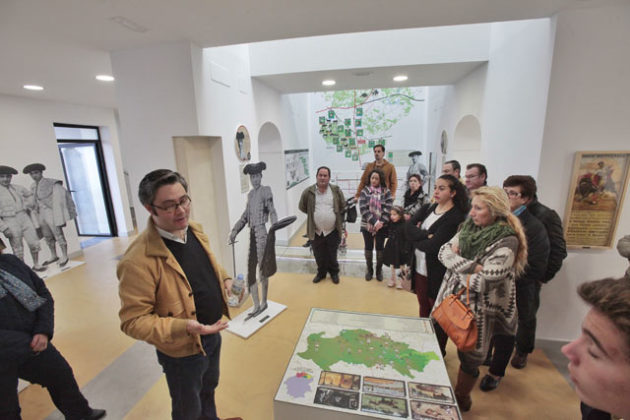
<point x="27" y="135"/>
<point x="448" y="44"/>
<point x="156" y="101"/>
<point x="588" y="109"/>
<point x="515" y="97"/>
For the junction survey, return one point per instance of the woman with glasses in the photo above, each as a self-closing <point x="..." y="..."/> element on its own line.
<point x="486" y="255"/>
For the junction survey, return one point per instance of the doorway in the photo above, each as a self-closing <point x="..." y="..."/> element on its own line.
<point x="84" y="169"/>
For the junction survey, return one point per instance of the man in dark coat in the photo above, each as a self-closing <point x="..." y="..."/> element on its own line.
<point x="528" y="284"/>
<point x="26" y="328"/>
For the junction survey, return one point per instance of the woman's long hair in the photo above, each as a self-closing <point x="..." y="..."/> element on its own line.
<point x="381" y="177"/>
<point x="497" y="201"/>
<point x="461" y="198"/>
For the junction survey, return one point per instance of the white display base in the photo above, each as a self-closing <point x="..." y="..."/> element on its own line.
<point x="351" y="366"/>
<point x="54" y="269"/>
<point x="244" y="328"/>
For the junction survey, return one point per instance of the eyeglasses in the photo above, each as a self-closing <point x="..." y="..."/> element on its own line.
<point x="183" y="202"/>
<point x="512" y="193"/>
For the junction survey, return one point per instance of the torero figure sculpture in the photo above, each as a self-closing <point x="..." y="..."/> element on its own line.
<point x="54" y="207"/>
<point x="258" y="211"/>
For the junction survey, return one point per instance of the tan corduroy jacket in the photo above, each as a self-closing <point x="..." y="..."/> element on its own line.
<point x="390" y="177"/>
<point x="156" y="298"/>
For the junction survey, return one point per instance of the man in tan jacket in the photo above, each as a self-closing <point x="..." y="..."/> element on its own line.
<point x="379" y="163"/>
<point x="173" y="295"/>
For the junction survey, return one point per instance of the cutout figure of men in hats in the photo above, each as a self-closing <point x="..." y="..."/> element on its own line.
<point x="416" y="167"/>
<point x="258" y="211"/>
<point x="15" y="219"/>
<point x="53" y="207"/>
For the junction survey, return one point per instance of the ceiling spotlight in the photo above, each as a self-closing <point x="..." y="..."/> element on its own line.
<point x="33" y="87"/>
<point x="328" y="82"/>
<point x="105" y="78"/>
<point x="400" y="78"/>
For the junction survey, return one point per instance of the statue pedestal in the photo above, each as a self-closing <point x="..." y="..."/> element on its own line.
<point x="244" y="328"/>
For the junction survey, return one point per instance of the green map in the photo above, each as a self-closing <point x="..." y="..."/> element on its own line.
<point x="361" y="347"/>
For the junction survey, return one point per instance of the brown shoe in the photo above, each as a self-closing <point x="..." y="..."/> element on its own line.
<point x="234" y="418"/>
<point x="519" y="361"/>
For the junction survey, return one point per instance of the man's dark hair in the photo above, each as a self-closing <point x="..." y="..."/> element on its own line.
<point x="154" y="180"/>
<point x="379" y="145"/>
<point x="323" y="167"/>
<point x="611" y="297"/>
<point x="482" y="171"/>
<point x="526" y="182"/>
<point x="455" y="164"/>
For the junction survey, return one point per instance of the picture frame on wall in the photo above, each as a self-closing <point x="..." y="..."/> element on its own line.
<point x="242" y="144"/>
<point x="599" y="181"/>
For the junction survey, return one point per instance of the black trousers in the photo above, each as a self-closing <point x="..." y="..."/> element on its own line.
<point x="325" y="252"/>
<point x="48" y="369"/>
<point x="369" y="240"/>
<point x="527" y="303"/>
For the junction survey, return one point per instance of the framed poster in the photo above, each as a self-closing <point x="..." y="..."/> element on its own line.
<point x="598" y="185"/>
<point x="242" y="144"/>
<point x="296" y="166"/>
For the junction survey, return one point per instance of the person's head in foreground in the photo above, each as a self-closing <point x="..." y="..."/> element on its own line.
<point x="599" y="359"/>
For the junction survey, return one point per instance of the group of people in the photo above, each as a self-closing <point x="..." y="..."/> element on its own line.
<point x="30" y="214"/>
<point x="501" y="243"/>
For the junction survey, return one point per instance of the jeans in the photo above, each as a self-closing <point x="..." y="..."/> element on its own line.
<point x="527" y="303"/>
<point x="50" y="370"/>
<point x="325" y="252"/>
<point x="192" y="380"/>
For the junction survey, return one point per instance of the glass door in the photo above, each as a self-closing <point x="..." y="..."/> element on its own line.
<point x="85" y="182"/>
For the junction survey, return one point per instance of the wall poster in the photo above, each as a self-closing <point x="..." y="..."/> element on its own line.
<point x="296" y="166"/>
<point x="598" y="185"/>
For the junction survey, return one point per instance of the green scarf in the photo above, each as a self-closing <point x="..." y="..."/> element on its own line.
<point x="474" y="239"/>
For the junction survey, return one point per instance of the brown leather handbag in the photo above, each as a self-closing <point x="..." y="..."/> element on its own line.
<point x="457" y="320"/>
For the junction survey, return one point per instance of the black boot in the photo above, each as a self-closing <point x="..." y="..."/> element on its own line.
<point x="368" y="262"/>
<point x="379" y="265"/>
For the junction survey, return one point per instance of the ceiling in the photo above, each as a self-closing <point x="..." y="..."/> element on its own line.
<point x="63" y="44"/>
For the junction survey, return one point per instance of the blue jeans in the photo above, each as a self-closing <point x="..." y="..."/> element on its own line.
<point x="192" y="381"/>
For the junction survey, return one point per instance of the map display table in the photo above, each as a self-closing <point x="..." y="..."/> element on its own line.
<point x="349" y="365"/>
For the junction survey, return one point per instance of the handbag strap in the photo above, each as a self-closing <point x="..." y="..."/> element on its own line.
<point x="467" y="291"/>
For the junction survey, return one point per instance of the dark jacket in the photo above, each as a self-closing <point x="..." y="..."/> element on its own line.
<point x="537" y="249"/>
<point x="553" y="226"/>
<point x="17" y="324"/>
<point x="442" y="230"/>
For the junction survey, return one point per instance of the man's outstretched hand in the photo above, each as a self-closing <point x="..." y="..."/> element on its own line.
<point x="194" y="327"/>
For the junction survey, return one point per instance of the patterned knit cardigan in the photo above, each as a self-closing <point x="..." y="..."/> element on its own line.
<point x="364" y="208"/>
<point x="492" y="290"/>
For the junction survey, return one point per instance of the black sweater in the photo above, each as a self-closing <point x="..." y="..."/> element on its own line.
<point x="442" y="230"/>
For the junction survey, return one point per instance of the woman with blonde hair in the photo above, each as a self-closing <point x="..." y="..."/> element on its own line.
<point x="487" y="253"/>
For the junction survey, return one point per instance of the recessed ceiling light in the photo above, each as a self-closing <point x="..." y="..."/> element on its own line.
<point x="105" y="78"/>
<point x="400" y="78"/>
<point x="328" y="82"/>
<point x="33" y="87"/>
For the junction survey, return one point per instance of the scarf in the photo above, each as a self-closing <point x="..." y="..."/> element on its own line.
<point x="374" y="205"/>
<point x="20" y="291"/>
<point x="473" y="239"/>
<point x="411" y="198"/>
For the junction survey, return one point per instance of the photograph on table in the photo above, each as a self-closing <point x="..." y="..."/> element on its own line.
<point x="395" y="407"/>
